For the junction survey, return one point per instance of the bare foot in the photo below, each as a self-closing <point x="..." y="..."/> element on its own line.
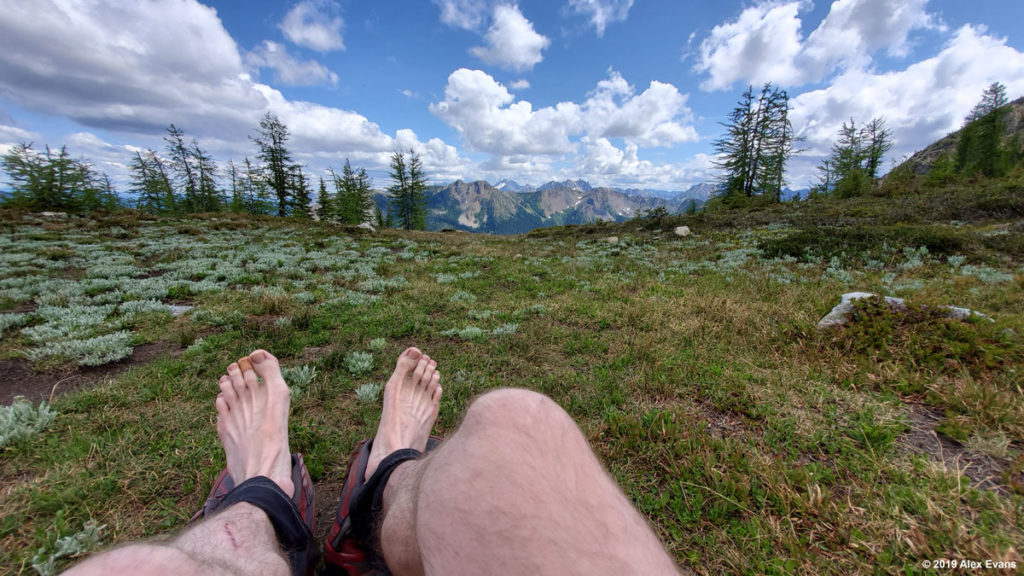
<point x="411" y="399"/>
<point x="252" y="420"/>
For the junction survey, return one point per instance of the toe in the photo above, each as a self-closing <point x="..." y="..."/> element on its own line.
<point x="421" y="368"/>
<point x="237" y="380"/>
<point x="227" y="390"/>
<point x="248" y="373"/>
<point x="267" y="367"/>
<point x="407" y="360"/>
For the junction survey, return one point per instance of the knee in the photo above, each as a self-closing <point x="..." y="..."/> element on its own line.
<point x="515" y="410"/>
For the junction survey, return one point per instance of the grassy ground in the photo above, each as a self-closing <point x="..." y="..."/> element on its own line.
<point x="754" y="442"/>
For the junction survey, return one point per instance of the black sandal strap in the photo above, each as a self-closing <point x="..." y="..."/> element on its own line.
<point x="292" y="533"/>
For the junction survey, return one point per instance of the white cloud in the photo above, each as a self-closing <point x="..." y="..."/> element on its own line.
<point x="314" y="24"/>
<point x="521" y="84"/>
<point x="761" y="45"/>
<point x="602" y="12"/>
<point x="136" y="67"/>
<point x="651" y="118"/>
<point x="512" y="43"/>
<point x="408" y="93"/>
<point x="602" y="163"/>
<point x="921" y="103"/>
<point x="288" y="70"/>
<point x="466" y="14"/>
<point x="491" y="119"/>
<point x="765" y="43"/>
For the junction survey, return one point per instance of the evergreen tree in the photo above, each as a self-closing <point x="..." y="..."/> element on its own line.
<point x="55" y="181"/>
<point x="237" y="202"/>
<point x="299" y="193"/>
<point x="979" y="148"/>
<point x="277" y="166"/>
<point x="185" y="177"/>
<point x="150" y="183"/>
<point x="325" y="204"/>
<point x="407" y="208"/>
<point x="852" y="167"/>
<point x="758" y="141"/>
<point x="354" y="198"/>
<point x="208" y="197"/>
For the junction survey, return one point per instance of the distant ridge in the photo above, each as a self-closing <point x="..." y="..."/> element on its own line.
<point x="510" y="208"/>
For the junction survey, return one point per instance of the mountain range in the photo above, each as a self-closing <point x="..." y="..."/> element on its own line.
<point x="510" y="208"/>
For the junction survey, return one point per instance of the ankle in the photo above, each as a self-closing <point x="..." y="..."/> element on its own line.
<point x="398" y="542"/>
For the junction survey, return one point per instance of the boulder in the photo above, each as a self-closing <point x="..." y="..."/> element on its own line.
<point x="367" y="226"/>
<point x="612" y="239"/>
<point x="841" y="314"/>
<point x="682" y="230"/>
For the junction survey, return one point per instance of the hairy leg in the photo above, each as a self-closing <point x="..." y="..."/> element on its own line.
<point x="252" y="421"/>
<point x="516" y="489"/>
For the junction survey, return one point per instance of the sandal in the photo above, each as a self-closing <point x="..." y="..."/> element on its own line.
<point x="351" y="548"/>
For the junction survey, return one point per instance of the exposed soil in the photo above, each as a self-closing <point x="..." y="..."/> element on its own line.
<point x="984" y="471"/>
<point x="17" y="378"/>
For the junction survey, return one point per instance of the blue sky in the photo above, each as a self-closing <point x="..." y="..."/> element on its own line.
<point x="624" y="93"/>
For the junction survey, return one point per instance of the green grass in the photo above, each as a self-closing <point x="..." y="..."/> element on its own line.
<point x="752" y="441"/>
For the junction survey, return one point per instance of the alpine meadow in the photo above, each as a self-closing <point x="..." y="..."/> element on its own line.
<point x="780" y="288"/>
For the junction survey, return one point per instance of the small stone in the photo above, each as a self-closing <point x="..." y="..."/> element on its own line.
<point x="517" y="257"/>
<point x="682" y="230"/>
<point x="612" y="239"/>
<point x="177" y="310"/>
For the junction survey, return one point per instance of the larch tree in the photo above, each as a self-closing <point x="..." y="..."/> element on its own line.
<point x="407" y="208"/>
<point x="277" y="165"/>
<point x="758" y="142"/>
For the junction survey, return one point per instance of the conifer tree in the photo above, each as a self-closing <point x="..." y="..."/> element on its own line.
<point x="325" y="205"/>
<point x="407" y="208"/>
<point x="979" y="148"/>
<point x="185" y="178"/>
<point x="55" y="181"/>
<point x="277" y="165"/>
<point x="758" y="141"/>
<point x="151" y="184"/>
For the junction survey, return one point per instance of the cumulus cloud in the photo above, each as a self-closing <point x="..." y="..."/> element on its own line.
<point x="921" y="103"/>
<point x="765" y="43"/>
<point x="512" y="43"/>
<point x="314" y="24"/>
<point x="604" y="164"/>
<point x="761" y="45"/>
<point x="602" y="12"/>
<point x="465" y="14"/>
<point x="287" y="69"/>
<point x="491" y="120"/>
<point x="137" y="67"/>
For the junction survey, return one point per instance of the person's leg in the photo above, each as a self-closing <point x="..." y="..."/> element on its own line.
<point x="515" y="490"/>
<point x="252" y="422"/>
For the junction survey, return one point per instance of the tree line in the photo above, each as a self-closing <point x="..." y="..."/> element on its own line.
<point x="183" y="178"/>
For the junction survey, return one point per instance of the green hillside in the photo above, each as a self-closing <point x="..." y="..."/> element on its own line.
<point x="752" y="440"/>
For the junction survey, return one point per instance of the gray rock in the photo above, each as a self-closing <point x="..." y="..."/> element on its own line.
<point x="177" y="310"/>
<point x="841" y="313"/>
<point x="612" y="239"/>
<point x="682" y="231"/>
<point x="367" y="226"/>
